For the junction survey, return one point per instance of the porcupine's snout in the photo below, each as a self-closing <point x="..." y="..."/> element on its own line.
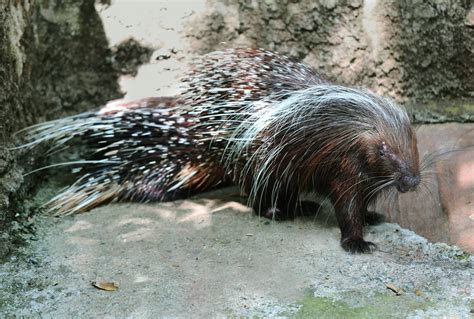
<point x="408" y="182"/>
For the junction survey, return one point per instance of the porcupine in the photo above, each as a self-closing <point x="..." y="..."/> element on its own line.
<point x="253" y="117"/>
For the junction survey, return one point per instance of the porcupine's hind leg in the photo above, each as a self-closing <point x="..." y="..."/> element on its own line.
<point x="287" y="207"/>
<point x="373" y="218"/>
<point x="178" y="178"/>
<point x="282" y="209"/>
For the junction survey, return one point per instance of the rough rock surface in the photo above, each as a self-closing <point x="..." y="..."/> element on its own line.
<point x="210" y="257"/>
<point x="55" y="61"/>
<point x="415" y="51"/>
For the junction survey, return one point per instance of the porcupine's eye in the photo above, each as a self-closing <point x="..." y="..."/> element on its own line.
<point x="383" y="150"/>
<point x="404" y="179"/>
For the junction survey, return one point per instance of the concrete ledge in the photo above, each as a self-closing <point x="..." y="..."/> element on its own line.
<point x="210" y="257"/>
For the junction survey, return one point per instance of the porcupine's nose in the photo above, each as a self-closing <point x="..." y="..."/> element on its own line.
<point x="408" y="183"/>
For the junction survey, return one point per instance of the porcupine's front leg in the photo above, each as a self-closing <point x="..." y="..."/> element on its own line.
<point x="349" y="211"/>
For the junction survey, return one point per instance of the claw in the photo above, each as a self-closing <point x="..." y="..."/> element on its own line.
<point x="358" y="246"/>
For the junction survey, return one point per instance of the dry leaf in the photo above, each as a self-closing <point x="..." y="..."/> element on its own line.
<point x="105" y="285"/>
<point x="417" y="292"/>
<point x="393" y="288"/>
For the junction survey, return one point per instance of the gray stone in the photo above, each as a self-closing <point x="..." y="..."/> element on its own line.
<point x="414" y="52"/>
<point x="211" y="257"/>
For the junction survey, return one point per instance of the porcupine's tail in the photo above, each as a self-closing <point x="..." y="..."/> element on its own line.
<point x="138" y="151"/>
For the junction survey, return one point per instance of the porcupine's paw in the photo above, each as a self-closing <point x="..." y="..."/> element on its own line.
<point x="358" y="246"/>
<point x="373" y="218"/>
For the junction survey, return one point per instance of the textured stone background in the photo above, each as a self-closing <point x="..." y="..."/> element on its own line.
<point x="415" y="51"/>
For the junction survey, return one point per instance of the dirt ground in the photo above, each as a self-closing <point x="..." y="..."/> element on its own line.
<point x="211" y="257"/>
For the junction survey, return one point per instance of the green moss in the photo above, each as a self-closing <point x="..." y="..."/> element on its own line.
<point x="461" y="110"/>
<point x="463" y="256"/>
<point x="377" y="306"/>
<point x="453" y="110"/>
<point x="468" y="108"/>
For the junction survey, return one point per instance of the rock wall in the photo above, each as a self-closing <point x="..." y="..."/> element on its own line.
<point x="55" y="61"/>
<point x="418" y="52"/>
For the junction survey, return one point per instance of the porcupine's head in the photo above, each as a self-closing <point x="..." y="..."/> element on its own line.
<point x="384" y="141"/>
<point x="391" y="145"/>
<point x="399" y="162"/>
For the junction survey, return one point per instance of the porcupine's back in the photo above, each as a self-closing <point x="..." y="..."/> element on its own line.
<point x="160" y="148"/>
<point x="226" y="88"/>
